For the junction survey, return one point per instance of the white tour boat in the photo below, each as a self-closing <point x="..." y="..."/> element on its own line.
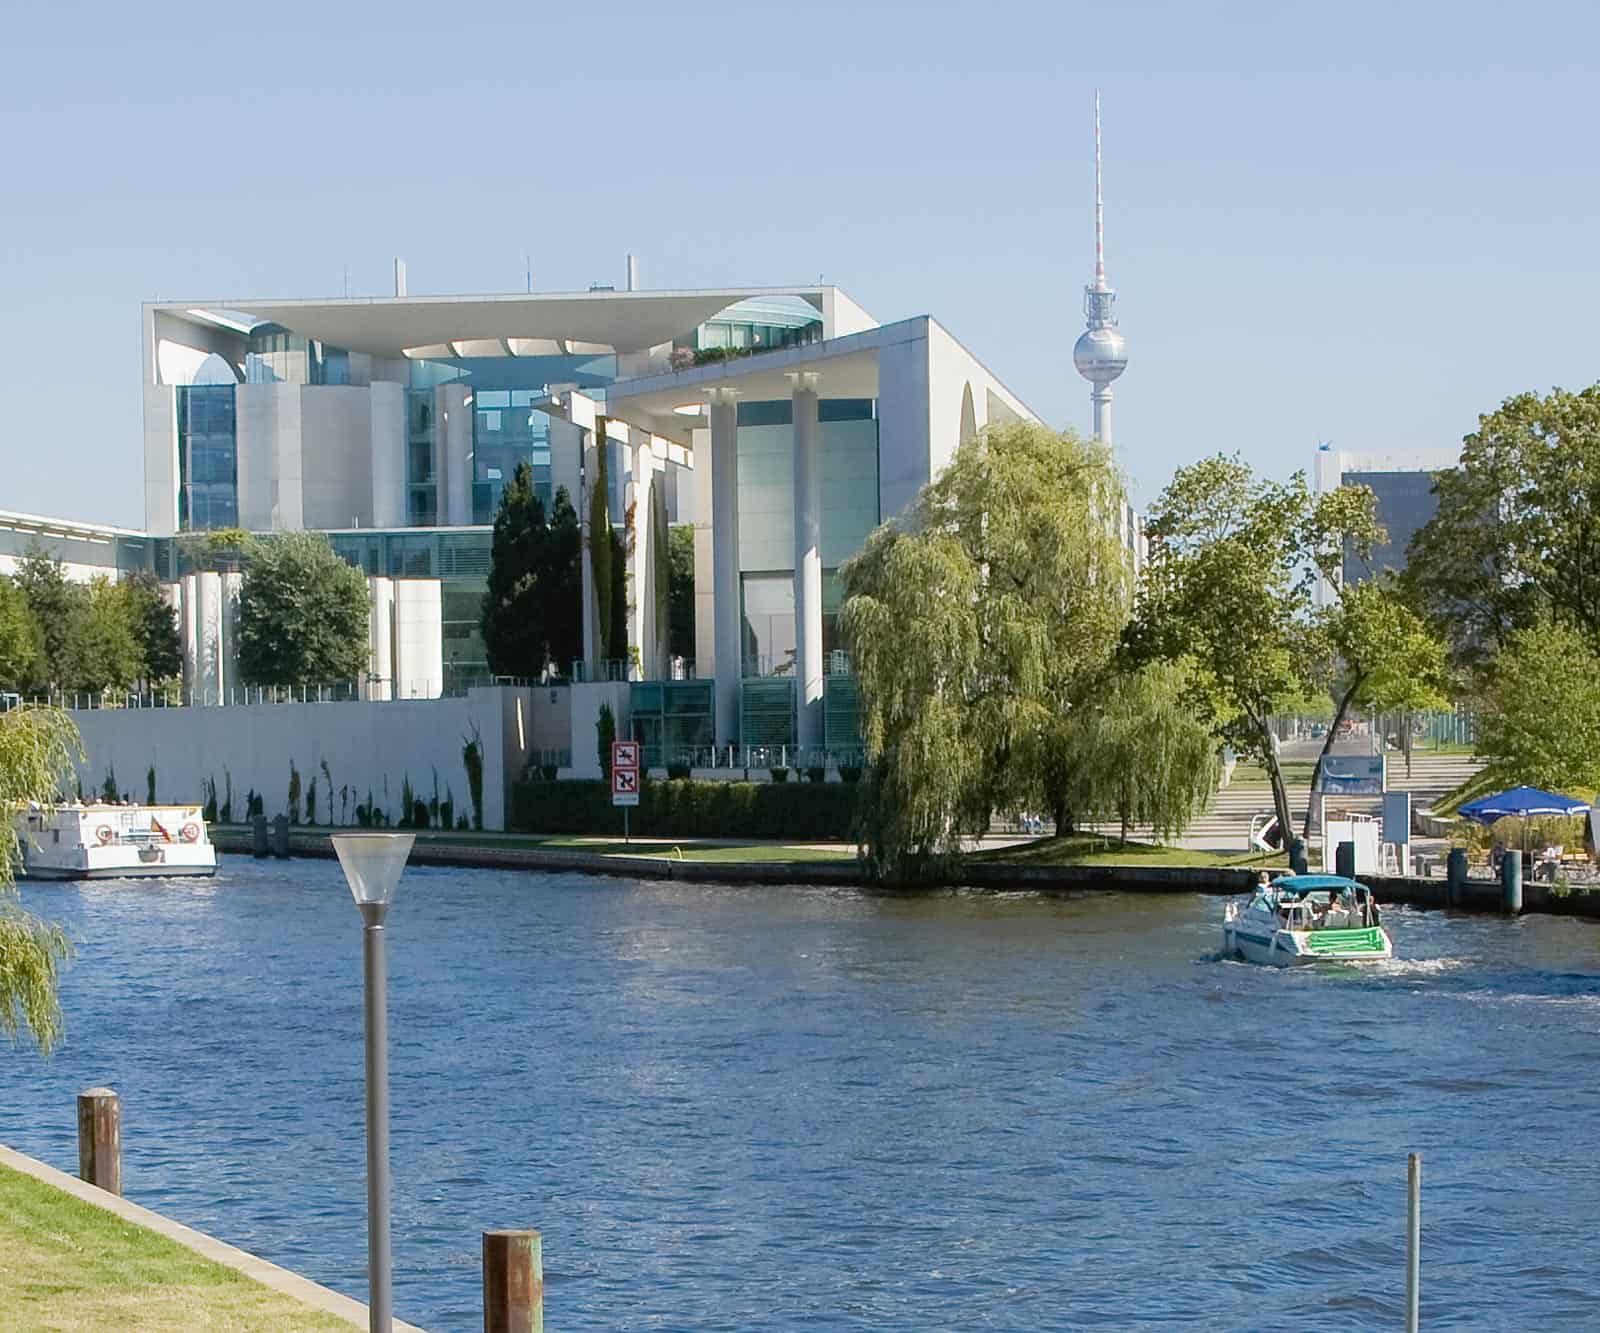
<point x="1307" y="919"/>
<point x="113" y="841"/>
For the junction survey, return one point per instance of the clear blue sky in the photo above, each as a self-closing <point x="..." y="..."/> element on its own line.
<point x="1363" y="222"/>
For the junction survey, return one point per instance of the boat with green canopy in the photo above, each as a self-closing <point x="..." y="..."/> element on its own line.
<point x="1298" y="919"/>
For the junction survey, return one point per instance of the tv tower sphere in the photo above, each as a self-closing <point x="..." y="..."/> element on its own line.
<point x="1100" y="354"/>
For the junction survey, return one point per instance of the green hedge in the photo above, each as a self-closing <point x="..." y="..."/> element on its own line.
<point x="685" y="809"/>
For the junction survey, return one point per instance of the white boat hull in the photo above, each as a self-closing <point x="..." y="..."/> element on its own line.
<point x="115" y="842"/>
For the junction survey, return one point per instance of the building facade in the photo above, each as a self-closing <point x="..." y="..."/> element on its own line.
<point x="1402" y="482"/>
<point x="783" y="423"/>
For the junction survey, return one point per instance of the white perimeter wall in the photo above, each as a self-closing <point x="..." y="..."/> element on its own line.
<point x="367" y="746"/>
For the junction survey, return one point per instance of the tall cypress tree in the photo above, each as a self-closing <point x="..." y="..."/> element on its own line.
<point x="601" y="549"/>
<point x="564" y="604"/>
<point x="514" y="632"/>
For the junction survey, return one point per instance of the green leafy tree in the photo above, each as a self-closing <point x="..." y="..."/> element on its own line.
<point x="53" y="602"/>
<point x="1233" y="560"/>
<point x="21" y="644"/>
<point x="976" y="623"/>
<point x="37" y="749"/>
<point x="100" y="648"/>
<point x="1389" y="660"/>
<point x="1516" y="537"/>
<point x="1539" y="718"/>
<point x="154" y="626"/>
<point x="680" y="590"/>
<point x="302" y="613"/>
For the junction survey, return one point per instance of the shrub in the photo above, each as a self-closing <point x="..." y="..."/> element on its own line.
<point x="816" y="773"/>
<point x="685" y="808"/>
<point x="419" y="813"/>
<point x="780" y="774"/>
<point x="850" y="774"/>
<point x="678" y="772"/>
<point x="548" y="771"/>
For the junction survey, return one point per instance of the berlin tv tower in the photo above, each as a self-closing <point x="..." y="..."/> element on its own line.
<point x="1101" y="353"/>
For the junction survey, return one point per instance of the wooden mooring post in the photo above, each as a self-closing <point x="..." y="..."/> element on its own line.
<point x="513" y="1282"/>
<point x="100" y="1139"/>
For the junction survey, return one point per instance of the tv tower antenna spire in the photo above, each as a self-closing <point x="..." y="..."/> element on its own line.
<point x="1101" y="352"/>
<point x="1099" y="206"/>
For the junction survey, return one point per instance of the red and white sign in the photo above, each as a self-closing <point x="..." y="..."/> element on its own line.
<point x="624" y="772"/>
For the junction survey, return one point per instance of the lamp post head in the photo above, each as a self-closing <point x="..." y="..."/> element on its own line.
<point x="372" y="863"/>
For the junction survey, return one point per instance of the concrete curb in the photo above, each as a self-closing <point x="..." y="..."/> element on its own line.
<point x="991" y="876"/>
<point x="277" y="1279"/>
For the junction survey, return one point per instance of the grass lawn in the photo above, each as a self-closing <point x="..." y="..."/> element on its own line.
<point x="691" y="849"/>
<point x="67" y="1265"/>
<point x="1296" y="773"/>
<point x="668" y="849"/>
<point x="1089" y="850"/>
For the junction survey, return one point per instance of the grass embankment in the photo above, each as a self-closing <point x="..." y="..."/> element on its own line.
<point x="1084" y="849"/>
<point x="67" y="1265"/>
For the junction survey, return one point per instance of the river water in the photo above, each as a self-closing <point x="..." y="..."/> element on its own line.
<point x="767" y="1109"/>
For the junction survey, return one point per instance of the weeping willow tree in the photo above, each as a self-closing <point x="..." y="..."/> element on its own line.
<point x="976" y="622"/>
<point x="37" y="747"/>
<point x="1134" y="751"/>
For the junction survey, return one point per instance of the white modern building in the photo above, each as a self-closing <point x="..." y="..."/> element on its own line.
<point x="784" y="423"/>
<point x="1402" y="481"/>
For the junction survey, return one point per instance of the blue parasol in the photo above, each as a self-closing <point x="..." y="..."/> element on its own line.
<point x="1522" y="802"/>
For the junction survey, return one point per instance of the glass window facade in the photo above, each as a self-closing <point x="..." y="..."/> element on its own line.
<point x="672" y="719"/>
<point x="507" y="430"/>
<point x="422" y="485"/>
<point x="460" y="560"/>
<point x="208" y="485"/>
<point x="584" y="371"/>
<point x="1405" y="502"/>
<point x="274" y="355"/>
<point x="849" y="484"/>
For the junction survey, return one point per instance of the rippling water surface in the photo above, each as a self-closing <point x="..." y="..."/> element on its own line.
<point x="763" y="1109"/>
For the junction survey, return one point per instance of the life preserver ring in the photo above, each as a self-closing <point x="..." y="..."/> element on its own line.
<point x="104" y="833"/>
<point x="191" y="833"/>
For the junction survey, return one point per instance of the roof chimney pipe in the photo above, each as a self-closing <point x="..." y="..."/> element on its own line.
<point x="399" y="277"/>
<point x="633" y="273"/>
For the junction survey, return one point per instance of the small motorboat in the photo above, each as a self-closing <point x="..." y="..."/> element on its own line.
<point x="98" y="841"/>
<point x="1307" y="919"/>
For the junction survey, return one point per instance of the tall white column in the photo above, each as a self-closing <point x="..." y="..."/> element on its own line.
<point x="453" y="455"/>
<point x="389" y="428"/>
<point x="807" y="562"/>
<point x="729" y="647"/>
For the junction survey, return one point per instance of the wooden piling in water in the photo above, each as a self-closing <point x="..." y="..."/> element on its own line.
<point x="513" y="1282"/>
<point x="100" y="1139"/>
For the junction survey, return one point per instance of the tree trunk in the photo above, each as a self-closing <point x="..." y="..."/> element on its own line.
<point x="1280" y="798"/>
<point x="1327" y="745"/>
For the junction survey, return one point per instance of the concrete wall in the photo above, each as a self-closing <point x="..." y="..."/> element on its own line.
<point x="160" y="460"/>
<point x="903" y="421"/>
<point x="336" y="456"/>
<point x="418" y="641"/>
<point x="367" y="746"/>
<point x="585" y="705"/>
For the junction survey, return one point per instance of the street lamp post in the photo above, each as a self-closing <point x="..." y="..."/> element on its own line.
<point x="372" y="863"/>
